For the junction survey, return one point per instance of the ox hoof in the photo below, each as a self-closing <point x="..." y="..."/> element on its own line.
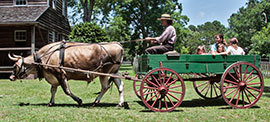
<point x="125" y="105"/>
<point x="79" y="102"/>
<point x="50" y="104"/>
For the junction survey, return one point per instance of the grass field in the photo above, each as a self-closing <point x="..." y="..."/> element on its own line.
<point x="27" y="101"/>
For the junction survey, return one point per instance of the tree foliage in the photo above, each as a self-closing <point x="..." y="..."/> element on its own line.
<point x="249" y="20"/>
<point x="88" y="33"/>
<point x="261" y="42"/>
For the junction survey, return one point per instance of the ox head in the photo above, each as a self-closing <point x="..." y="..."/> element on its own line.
<point x="22" y="68"/>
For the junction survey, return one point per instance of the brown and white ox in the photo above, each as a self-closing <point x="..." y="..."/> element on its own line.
<point x="103" y="57"/>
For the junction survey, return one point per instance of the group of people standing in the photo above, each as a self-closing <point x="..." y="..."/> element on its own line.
<point x="168" y="38"/>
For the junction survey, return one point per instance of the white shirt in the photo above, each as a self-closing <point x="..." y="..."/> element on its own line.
<point x="233" y="51"/>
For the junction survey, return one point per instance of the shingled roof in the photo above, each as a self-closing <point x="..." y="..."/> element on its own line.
<point x="21" y="14"/>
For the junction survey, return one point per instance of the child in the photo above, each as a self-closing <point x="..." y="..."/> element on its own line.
<point x="220" y="48"/>
<point x="234" y="49"/>
<point x="201" y="50"/>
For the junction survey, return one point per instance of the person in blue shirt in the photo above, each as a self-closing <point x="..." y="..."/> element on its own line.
<point x="219" y="39"/>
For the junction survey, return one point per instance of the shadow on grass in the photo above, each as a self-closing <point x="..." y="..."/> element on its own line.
<point x="86" y="105"/>
<point x="202" y="103"/>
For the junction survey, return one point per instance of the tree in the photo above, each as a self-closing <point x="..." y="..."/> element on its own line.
<point x="88" y="33"/>
<point x="261" y="42"/>
<point x="248" y="21"/>
<point x="83" y="7"/>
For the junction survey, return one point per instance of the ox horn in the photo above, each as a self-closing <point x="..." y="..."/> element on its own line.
<point x="16" y="56"/>
<point x="12" y="58"/>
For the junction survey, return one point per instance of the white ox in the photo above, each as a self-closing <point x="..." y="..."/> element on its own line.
<point x="103" y="58"/>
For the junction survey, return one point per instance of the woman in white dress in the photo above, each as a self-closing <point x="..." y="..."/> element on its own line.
<point x="233" y="49"/>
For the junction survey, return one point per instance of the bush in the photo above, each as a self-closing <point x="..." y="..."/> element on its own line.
<point x="88" y="33"/>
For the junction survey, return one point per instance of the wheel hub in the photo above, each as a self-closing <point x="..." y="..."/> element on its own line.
<point x="242" y="85"/>
<point x="162" y="90"/>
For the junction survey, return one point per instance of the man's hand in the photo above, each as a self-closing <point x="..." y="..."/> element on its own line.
<point x="151" y="40"/>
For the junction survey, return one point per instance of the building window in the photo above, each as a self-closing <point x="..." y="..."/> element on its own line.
<point x="54" y="4"/>
<point x="53" y="37"/>
<point x="20" y="2"/>
<point x="64" y="7"/>
<point x="20" y="35"/>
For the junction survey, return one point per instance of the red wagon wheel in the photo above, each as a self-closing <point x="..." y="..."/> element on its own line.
<point x="242" y="85"/>
<point x="162" y="90"/>
<point x="209" y="89"/>
<point x="137" y="85"/>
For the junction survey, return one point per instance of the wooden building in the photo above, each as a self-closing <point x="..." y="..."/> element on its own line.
<point x="27" y="25"/>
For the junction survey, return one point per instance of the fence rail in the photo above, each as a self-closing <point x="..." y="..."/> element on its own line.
<point x="265" y="69"/>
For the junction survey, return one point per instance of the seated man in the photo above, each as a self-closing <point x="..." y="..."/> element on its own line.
<point x="166" y="39"/>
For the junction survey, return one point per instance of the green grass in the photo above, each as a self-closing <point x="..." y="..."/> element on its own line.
<point x="27" y="100"/>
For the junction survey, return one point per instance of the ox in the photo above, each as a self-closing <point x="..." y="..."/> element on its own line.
<point x="102" y="57"/>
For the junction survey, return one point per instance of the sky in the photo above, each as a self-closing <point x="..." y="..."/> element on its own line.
<point x="201" y="11"/>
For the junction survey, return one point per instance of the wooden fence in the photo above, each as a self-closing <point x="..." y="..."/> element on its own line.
<point x="265" y="69"/>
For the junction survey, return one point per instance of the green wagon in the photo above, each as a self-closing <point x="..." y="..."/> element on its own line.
<point x="236" y="78"/>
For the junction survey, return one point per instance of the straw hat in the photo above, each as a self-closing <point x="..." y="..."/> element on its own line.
<point x="165" y="17"/>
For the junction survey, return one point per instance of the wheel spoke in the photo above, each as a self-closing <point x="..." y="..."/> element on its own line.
<point x="204" y="88"/>
<point x="202" y="84"/>
<point x="178" y="92"/>
<point x="159" y="104"/>
<point x="247" y="96"/>
<point x="240" y="70"/>
<point x="150" y="92"/>
<point x="254" y="83"/>
<point x="231" y="82"/>
<point x="250" y="74"/>
<point x="172" y="82"/>
<point x="211" y="91"/>
<point x="228" y="87"/>
<point x="168" y="79"/>
<point x="170" y="100"/>
<point x="155" y="80"/>
<point x="176" y="86"/>
<point x="155" y="100"/>
<point x="258" y="90"/>
<point x="174" y="96"/>
<point x="148" y="87"/>
<point x="251" y="94"/>
<point x="151" y="83"/>
<point x="166" y="105"/>
<point x="238" y="97"/>
<point x="236" y="71"/>
<point x="152" y="97"/>
<point x="245" y="72"/>
<point x="234" y="96"/>
<point x="207" y="90"/>
<point x="215" y="90"/>
<point x="233" y="77"/>
<point x="243" y="100"/>
<point x="231" y="92"/>
<point x="252" y="78"/>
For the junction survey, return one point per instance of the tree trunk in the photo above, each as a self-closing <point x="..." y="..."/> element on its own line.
<point x="88" y="6"/>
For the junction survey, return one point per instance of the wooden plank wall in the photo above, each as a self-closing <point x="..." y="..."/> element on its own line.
<point x="29" y="2"/>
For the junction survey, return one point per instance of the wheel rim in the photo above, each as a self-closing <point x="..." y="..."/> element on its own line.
<point x="207" y="89"/>
<point x="137" y="85"/>
<point x="242" y="85"/>
<point x="162" y="90"/>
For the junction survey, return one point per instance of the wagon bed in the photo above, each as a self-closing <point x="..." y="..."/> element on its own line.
<point x="236" y="78"/>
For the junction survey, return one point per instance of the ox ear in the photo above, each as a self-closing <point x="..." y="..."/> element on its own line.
<point x="13" y="58"/>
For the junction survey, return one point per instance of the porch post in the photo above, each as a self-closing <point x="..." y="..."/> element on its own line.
<point x="33" y="39"/>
